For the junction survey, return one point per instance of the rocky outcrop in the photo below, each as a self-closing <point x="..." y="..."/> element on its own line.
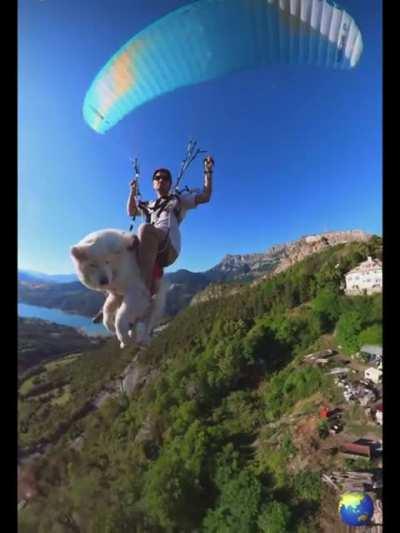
<point x="312" y="244"/>
<point x="136" y="375"/>
<point x="216" y="290"/>
<point x="279" y="257"/>
<point x="257" y="267"/>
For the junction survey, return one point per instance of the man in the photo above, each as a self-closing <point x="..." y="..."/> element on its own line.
<point x="159" y="236"/>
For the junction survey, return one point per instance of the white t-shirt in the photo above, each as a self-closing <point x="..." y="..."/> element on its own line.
<point x="167" y="221"/>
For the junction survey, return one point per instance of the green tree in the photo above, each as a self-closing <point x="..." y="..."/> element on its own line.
<point x="326" y="307"/>
<point x="275" y="518"/>
<point x="307" y="485"/>
<point x="173" y="491"/>
<point x="348" y="329"/>
<point x="171" y="498"/>
<point x="238" y="505"/>
<point x="371" y="335"/>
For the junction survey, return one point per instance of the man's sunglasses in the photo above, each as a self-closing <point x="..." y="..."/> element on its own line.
<point x="163" y="177"/>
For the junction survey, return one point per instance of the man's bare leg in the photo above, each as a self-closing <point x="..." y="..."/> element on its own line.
<point x="151" y="239"/>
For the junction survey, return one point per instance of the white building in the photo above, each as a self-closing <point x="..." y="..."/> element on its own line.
<point x="366" y="278"/>
<point x="374" y="375"/>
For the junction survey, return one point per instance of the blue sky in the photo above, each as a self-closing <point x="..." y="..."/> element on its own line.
<point x="297" y="148"/>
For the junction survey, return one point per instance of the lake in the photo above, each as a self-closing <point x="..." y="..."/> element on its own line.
<point x="60" y="317"/>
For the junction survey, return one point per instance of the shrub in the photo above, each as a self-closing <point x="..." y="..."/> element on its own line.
<point x="326" y="307"/>
<point x="307" y="485"/>
<point x="371" y="335"/>
<point x="323" y="429"/>
<point x="275" y="518"/>
<point x="348" y="329"/>
<point x="238" y="505"/>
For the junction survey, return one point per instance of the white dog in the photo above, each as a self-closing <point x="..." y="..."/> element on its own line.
<point x="106" y="261"/>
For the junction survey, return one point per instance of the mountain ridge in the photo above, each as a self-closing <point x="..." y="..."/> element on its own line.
<point x="187" y="286"/>
<point x="38" y="277"/>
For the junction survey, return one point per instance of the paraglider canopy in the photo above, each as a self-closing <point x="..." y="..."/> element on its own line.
<point x="210" y="38"/>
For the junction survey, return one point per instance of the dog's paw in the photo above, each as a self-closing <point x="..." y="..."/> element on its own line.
<point x="122" y="345"/>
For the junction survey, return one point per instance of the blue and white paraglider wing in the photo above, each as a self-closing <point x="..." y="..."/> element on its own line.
<point x="211" y="38"/>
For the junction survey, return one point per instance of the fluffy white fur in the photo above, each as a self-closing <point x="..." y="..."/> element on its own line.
<point x="106" y="261"/>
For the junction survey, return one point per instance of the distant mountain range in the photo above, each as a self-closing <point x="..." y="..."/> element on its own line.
<point x="53" y="291"/>
<point x="32" y="276"/>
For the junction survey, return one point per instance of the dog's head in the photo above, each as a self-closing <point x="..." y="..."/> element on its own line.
<point x="94" y="271"/>
<point x="97" y="257"/>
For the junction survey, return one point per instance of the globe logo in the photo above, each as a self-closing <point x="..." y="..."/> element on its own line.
<point x="356" y="508"/>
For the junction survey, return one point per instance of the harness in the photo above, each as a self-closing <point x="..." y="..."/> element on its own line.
<point x="192" y="151"/>
<point x="158" y="207"/>
<point x="161" y="203"/>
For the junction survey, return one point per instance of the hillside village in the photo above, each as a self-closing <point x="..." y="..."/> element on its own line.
<point x="352" y="425"/>
<point x="335" y="430"/>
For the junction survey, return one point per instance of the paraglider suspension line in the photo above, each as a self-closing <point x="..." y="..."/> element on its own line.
<point x="191" y="153"/>
<point x="135" y="163"/>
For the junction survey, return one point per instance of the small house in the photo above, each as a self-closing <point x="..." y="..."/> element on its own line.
<point x="366" y="278"/>
<point x="359" y="448"/>
<point x="373" y="374"/>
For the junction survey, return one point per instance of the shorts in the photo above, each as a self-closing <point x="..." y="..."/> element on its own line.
<point x="166" y="254"/>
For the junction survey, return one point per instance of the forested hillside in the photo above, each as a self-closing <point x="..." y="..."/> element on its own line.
<point x="222" y="438"/>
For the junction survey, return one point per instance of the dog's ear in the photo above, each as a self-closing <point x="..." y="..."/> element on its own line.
<point x="79" y="252"/>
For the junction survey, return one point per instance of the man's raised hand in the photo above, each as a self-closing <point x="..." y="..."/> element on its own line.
<point x="208" y="164"/>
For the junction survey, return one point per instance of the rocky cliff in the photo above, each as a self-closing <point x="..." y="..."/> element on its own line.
<point x="258" y="266"/>
<point x="279" y="257"/>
